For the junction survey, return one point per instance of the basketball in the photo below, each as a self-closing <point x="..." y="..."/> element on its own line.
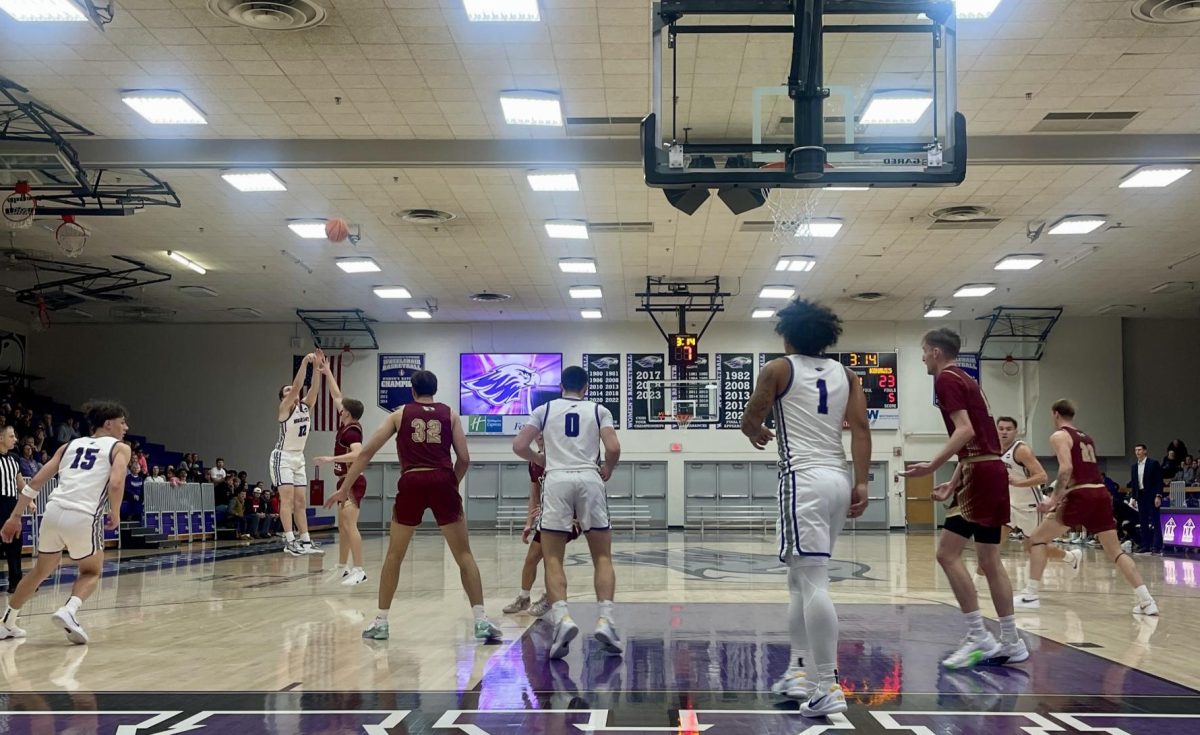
<point x="336" y="230"/>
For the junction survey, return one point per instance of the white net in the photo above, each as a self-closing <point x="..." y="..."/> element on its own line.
<point x="72" y="238"/>
<point x="18" y="210"/>
<point x="793" y="212"/>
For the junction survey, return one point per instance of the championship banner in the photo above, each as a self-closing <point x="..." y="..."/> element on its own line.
<point x="969" y="362"/>
<point x="735" y="376"/>
<point x="395" y="379"/>
<point x="641" y="400"/>
<point x="604" y="382"/>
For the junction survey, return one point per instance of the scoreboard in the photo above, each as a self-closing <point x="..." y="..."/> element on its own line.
<point x="683" y="349"/>
<point x="877" y="371"/>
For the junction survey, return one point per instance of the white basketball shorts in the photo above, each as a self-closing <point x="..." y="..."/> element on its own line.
<point x="812" y="511"/>
<point x="1023" y="508"/>
<point x="79" y="534"/>
<point x="574" y="494"/>
<point x="287" y="468"/>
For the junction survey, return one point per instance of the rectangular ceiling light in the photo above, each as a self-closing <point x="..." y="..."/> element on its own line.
<point x="308" y="229"/>
<point x="392" y="292"/>
<point x="975" y="9"/>
<point x="591" y="314"/>
<point x="1019" y="262"/>
<point x="419" y="314"/>
<point x="762" y="313"/>
<point x="358" y="265"/>
<point x="819" y="228"/>
<point x="553" y="180"/>
<point x="896" y="109"/>
<point x="254" y="181"/>
<point x="1154" y="177"/>
<point x="1077" y="225"/>
<point x="776" y="292"/>
<point x="43" y="10"/>
<point x="482" y="11"/>
<point x="577" y="265"/>
<point x="532" y="108"/>
<point x="973" y="290"/>
<point x="586" y="292"/>
<point x="186" y="261"/>
<point x="163" y="107"/>
<point x="796" y="263"/>
<point x="936" y="313"/>
<point x="567" y="229"/>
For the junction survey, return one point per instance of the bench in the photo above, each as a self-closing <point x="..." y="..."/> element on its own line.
<point x="731" y="517"/>
<point x="513" y="517"/>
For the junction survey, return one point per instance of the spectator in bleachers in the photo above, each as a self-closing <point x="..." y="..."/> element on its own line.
<point x="256" y="514"/>
<point x="173" y="478"/>
<point x="218" y="472"/>
<point x="131" y="502"/>
<point x="273" y="511"/>
<point x="185" y="465"/>
<point x="237" y="514"/>
<point x="39" y="439"/>
<point x="1187" y="472"/>
<point x="143" y="462"/>
<point x="28" y="461"/>
<point x="1179" y="448"/>
<point x="67" y="431"/>
<point x="23" y="422"/>
<point x="1170" y="465"/>
<point x="244" y="479"/>
<point x="156" y="475"/>
<point x="44" y="457"/>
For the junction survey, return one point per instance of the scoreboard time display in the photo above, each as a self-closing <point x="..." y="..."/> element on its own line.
<point x="877" y="371"/>
<point x="683" y="348"/>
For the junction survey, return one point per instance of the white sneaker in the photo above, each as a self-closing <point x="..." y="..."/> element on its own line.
<point x="564" y="632"/>
<point x="292" y="548"/>
<point x="1127" y="547"/>
<point x="518" y="605"/>
<point x="68" y="622"/>
<point x="539" y="608"/>
<point x="794" y="678"/>
<point x="1073" y="559"/>
<point x="1027" y="599"/>
<point x="354" y="578"/>
<point x="824" y="703"/>
<point x="1013" y="652"/>
<point x="337" y="574"/>
<point x="10" y="631"/>
<point x="1146" y="608"/>
<point x="971" y="651"/>
<point x="606" y="635"/>
<point x="309" y="548"/>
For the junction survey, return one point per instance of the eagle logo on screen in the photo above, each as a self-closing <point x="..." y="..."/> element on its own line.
<point x="502" y="385"/>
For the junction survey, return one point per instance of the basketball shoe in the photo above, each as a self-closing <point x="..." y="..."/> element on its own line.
<point x="311" y="548"/>
<point x="795" y="684"/>
<point x="606" y="635"/>
<point x="539" y="608"/>
<point x="1146" y="608"/>
<point x="826" y="700"/>
<point x="11" y="631"/>
<point x="486" y="630"/>
<point x="1027" y="599"/>
<point x="518" y="605"/>
<point x="1012" y="652"/>
<point x="564" y="632"/>
<point x="68" y="622"/>
<point x="1073" y="559"/>
<point x="377" y="632"/>
<point x="354" y="578"/>
<point x="971" y="651"/>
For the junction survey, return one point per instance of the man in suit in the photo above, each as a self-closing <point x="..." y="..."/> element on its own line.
<point x="1146" y="482"/>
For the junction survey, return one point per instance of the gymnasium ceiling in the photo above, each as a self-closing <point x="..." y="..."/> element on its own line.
<point x="418" y="73"/>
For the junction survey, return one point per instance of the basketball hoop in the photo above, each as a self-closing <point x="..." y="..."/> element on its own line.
<point x="1010" y="367"/>
<point x="347" y="356"/>
<point x="19" y="207"/>
<point x="792" y="211"/>
<point x="71" y="236"/>
<point x="683" y="419"/>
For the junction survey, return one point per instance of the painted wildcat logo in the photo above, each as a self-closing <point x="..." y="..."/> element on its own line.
<point x="605" y="363"/>
<point x="649" y="361"/>
<point x="737" y="363"/>
<point x="502" y="385"/>
<point x="715" y="564"/>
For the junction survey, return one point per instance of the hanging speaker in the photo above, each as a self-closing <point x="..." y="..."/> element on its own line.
<point x="687" y="200"/>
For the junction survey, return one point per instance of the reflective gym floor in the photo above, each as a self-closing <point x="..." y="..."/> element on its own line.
<point x="236" y="639"/>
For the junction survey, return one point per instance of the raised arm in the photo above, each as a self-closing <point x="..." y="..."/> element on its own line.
<point x="1029" y="460"/>
<point x="116" y="484"/>
<point x="314" y="391"/>
<point x="12" y="526"/>
<point x="770" y="384"/>
<point x="462" y="456"/>
<point x="335" y="391"/>
<point x="289" y="401"/>
<point x="860" y="443"/>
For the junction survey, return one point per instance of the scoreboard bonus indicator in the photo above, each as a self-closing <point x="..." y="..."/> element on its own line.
<point x="877" y="372"/>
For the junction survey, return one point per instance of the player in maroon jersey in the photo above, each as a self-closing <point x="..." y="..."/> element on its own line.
<point x="533" y="557"/>
<point x="980" y="508"/>
<point x="346" y="447"/>
<point x="1079" y="499"/>
<point x="425" y="432"/>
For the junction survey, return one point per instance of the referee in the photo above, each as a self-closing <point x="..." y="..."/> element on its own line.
<point x="10" y="488"/>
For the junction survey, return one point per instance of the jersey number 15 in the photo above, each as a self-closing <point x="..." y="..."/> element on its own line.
<point x="85" y="459"/>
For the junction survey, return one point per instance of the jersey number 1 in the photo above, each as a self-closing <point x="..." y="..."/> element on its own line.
<point x="822" y="397"/>
<point x="85" y="459"/>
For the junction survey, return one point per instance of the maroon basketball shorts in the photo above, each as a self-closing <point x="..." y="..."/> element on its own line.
<point x="436" y="490"/>
<point x="357" y="490"/>
<point x="1090" y="507"/>
<point x="983" y="497"/>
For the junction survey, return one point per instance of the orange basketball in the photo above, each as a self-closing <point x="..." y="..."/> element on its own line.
<point x="336" y="230"/>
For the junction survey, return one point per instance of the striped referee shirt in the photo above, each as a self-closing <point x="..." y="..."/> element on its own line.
<point x="10" y="476"/>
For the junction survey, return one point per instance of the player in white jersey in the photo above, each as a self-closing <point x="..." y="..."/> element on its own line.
<point x="287" y="469"/>
<point x="574" y="429"/>
<point x="812" y="398"/>
<point x="1025" y="476"/>
<point x="91" y="470"/>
